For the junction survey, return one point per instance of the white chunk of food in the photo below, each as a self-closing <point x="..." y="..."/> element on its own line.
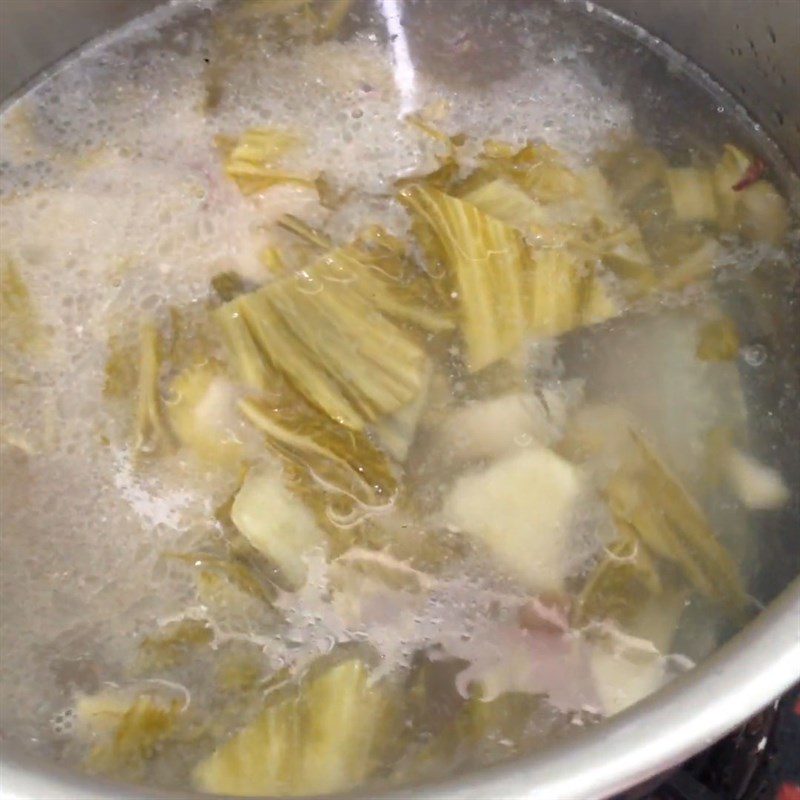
<point x="520" y="507"/>
<point x="757" y="485"/>
<point x="626" y="668"/>
<point x="624" y="676"/>
<point x="491" y="428"/>
<point x="277" y="524"/>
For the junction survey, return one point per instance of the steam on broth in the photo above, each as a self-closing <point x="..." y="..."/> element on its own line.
<point x="371" y="391"/>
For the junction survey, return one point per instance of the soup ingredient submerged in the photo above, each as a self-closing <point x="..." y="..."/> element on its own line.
<point x="393" y="526"/>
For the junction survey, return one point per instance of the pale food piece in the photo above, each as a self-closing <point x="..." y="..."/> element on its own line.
<point x="317" y="741"/>
<point x="757" y="485"/>
<point x="277" y="524"/>
<point x="628" y="668"/>
<point x="491" y="428"/>
<point x="520" y="507"/>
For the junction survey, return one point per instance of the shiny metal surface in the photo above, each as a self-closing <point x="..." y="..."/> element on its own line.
<point x="35" y="34"/>
<point x="749" y="47"/>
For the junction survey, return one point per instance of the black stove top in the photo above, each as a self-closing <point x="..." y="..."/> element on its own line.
<point x="759" y="761"/>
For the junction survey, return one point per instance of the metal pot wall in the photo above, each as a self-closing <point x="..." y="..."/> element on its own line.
<point x="751" y="49"/>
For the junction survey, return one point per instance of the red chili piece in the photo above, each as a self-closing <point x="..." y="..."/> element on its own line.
<point x="753" y="173"/>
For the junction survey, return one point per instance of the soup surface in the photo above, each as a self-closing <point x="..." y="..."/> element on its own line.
<point x="378" y="389"/>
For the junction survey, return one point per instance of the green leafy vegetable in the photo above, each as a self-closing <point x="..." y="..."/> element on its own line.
<point x="420" y="122"/>
<point x="324" y="330"/>
<point x="446" y="175"/>
<point x="571" y="212"/>
<point x="692" y="193"/>
<point x="623" y="579"/>
<point x="334" y="471"/>
<point x="555" y="293"/>
<point x="536" y="169"/>
<point x="623" y="252"/>
<point x="252" y="161"/>
<point x="152" y="432"/>
<point x="124" y="731"/>
<point x="193" y="336"/>
<point x="335" y="348"/>
<point x="341" y="458"/>
<point x="647" y="499"/>
<point x="562" y="296"/>
<point x="503" y="199"/>
<point x="657" y="520"/>
<point x="273" y="259"/>
<point x="396" y="432"/>
<point x="174" y="643"/>
<point x="121" y="373"/>
<point x="240" y="670"/>
<point x="480" y="732"/>
<point x="20" y="325"/>
<point x="309" y="235"/>
<point x="718" y="340"/>
<point x="691" y="258"/>
<point x="330" y="196"/>
<point x="382" y="267"/>
<point x="491" y="268"/>
<point x="325" y="737"/>
<point x="397" y="285"/>
<point x="637" y="176"/>
<point x="486" y="259"/>
<point x="276" y="523"/>
<point x="222" y="576"/>
<point x="248" y="363"/>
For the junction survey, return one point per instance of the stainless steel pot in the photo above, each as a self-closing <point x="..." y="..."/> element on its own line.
<point x="752" y="50"/>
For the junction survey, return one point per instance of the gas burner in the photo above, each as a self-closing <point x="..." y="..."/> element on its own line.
<point x="759" y="761"/>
